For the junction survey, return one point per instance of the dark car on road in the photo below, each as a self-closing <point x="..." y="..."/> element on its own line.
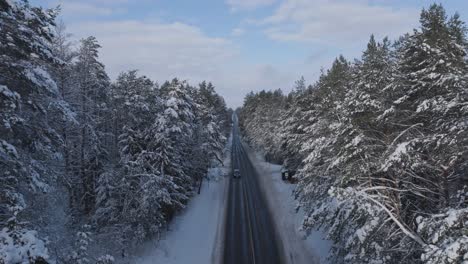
<point x="236" y="173"/>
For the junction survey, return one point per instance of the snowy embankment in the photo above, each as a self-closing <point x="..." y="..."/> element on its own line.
<point x="195" y="236"/>
<point x="298" y="246"/>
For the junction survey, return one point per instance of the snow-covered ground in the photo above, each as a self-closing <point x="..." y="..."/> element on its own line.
<point x="297" y="245"/>
<point x="196" y="235"/>
<point x="193" y="234"/>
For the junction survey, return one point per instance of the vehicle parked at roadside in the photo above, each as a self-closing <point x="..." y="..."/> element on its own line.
<point x="287" y="175"/>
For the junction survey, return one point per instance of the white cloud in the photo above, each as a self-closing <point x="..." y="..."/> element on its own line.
<point x="236" y="80"/>
<point x="237" y="32"/>
<point x="79" y="9"/>
<point x="248" y="4"/>
<point x="74" y="9"/>
<point x="159" y="50"/>
<point x="336" y="20"/>
<point x="163" y="51"/>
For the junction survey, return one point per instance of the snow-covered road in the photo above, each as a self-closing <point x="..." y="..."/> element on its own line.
<point x="196" y="236"/>
<point x="298" y="246"/>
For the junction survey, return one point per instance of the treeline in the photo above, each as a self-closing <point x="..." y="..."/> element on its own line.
<point x="79" y="152"/>
<point x="380" y="145"/>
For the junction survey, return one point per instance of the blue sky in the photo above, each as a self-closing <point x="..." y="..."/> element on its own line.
<point x="240" y="45"/>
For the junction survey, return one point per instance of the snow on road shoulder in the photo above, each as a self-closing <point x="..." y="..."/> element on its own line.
<point x="195" y="234"/>
<point x="298" y="246"/>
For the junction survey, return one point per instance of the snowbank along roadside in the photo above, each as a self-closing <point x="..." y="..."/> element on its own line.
<point x="298" y="246"/>
<point x="195" y="236"/>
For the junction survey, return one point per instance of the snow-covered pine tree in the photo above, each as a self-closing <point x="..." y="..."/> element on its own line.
<point x="132" y="109"/>
<point x="298" y="109"/>
<point x="125" y="153"/>
<point x="172" y="133"/>
<point x="213" y="123"/>
<point x="363" y="134"/>
<point x="209" y="140"/>
<point x="217" y="104"/>
<point x="260" y="119"/>
<point x="300" y="85"/>
<point x="135" y="100"/>
<point x="434" y="79"/>
<point x="427" y="156"/>
<point x="224" y="115"/>
<point x="426" y="110"/>
<point x="81" y="254"/>
<point x="28" y="143"/>
<point x="341" y="151"/>
<point x="325" y="119"/>
<point x="130" y="195"/>
<point x="64" y="116"/>
<point x="384" y="147"/>
<point x="91" y="100"/>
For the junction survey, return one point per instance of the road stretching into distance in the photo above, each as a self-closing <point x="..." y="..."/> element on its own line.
<point x="250" y="236"/>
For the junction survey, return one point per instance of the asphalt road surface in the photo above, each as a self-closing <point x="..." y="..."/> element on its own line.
<point x="250" y="235"/>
